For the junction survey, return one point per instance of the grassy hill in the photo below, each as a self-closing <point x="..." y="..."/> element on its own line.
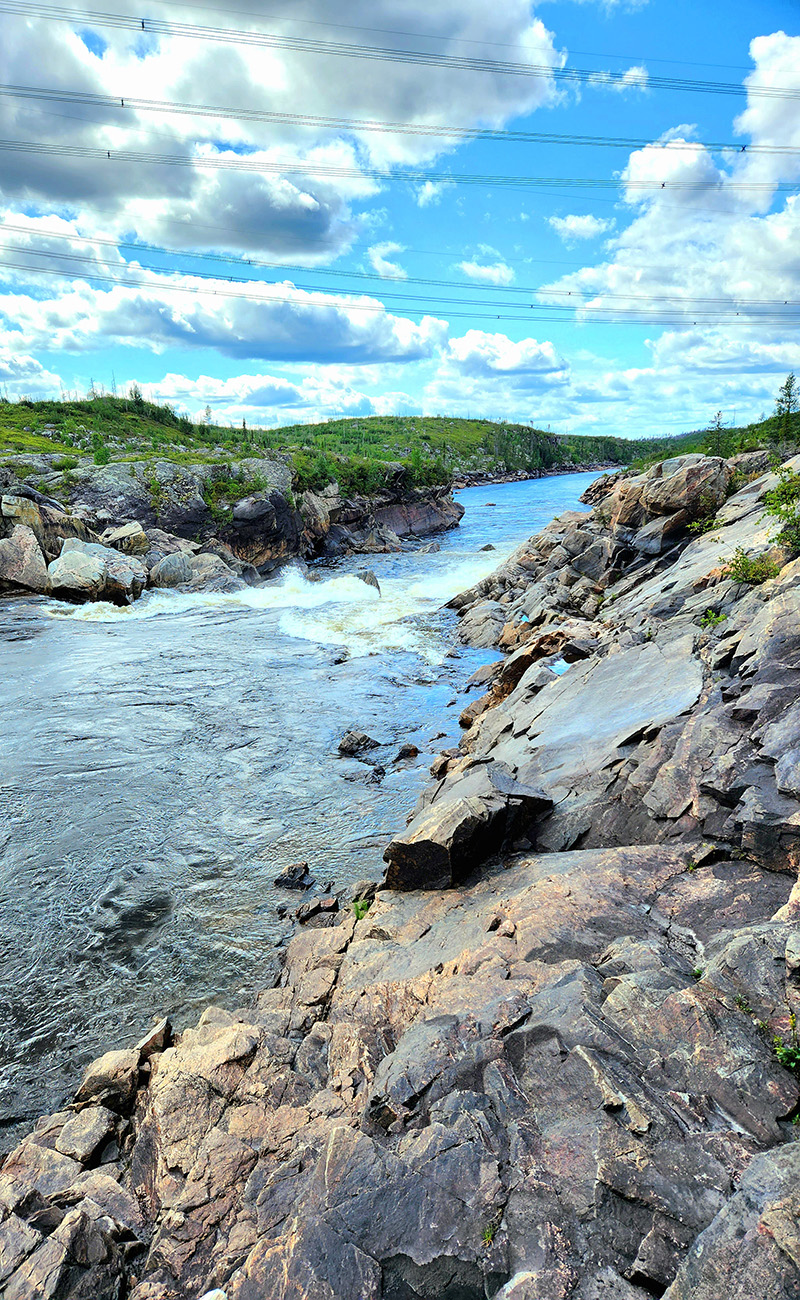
<point x="352" y="450"/>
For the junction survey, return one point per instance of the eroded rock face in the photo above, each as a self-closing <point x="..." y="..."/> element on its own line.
<point x="547" y="1083"/>
<point x="22" y="565"/>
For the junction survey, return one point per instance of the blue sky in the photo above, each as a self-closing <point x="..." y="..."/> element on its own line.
<point x="638" y="301"/>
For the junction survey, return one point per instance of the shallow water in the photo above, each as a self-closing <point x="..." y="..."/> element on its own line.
<point x="162" y="764"/>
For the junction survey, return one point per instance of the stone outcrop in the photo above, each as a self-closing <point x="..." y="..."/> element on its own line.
<point x="677" y="720"/>
<point x="335" y="525"/>
<point x="544" y="1084"/>
<point x="22" y="565"/>
<point x="153" y="509"/>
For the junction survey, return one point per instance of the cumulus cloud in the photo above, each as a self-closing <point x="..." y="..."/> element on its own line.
<point x="23" y="376"/>
<point x="284" y="213"/>
<point x="573" y="228"/>
<point x="487" y="267"/>
<point x="478" y="353"/>
<point x="276" y="321"/>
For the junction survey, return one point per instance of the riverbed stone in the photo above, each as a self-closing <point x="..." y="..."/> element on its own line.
<point x="91" y="571"/>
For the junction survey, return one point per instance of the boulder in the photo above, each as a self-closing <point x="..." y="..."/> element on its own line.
<point x="111" y="1079"/>
<point x="130" y="538"/>
<point x="85" y="1132"/>
<point x="172" y="571"/>
<point x="91" y="571"/>
<point x="22" y="565"/>
<point x="695" y="483"/>
<point x="210" y="573"/>
<point x="462" y="823"/>
<point x="295" y="876"/>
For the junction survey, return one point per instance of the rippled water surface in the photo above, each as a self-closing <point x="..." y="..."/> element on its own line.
<point x="160" y="765"/>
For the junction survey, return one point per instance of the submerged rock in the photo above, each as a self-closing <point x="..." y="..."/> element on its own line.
<point x="367" y="576"/>
<point x="356" y="742"/>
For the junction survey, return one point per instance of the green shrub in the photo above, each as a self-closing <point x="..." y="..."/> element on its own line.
<point x="66" y="462"/>
<point x="752" y="569"/>
<point x="102" y="456"/>
<point x="710" y="619"/>
<point x="361" y="907"/>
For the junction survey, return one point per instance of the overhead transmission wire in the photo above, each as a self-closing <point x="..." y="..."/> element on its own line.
<point x="257" y="263"/>
<point x="548" y="312"/>
<point x="133" y="103"/>
<point x="392" y="54"/>
<point x="333" y="171"/>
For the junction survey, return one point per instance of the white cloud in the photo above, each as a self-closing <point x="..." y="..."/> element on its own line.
<point x="480" y="353"/>
<point x="572" y="228"/>
<point x="429" y="194"/>
<point x="634" y="78"/>
<point x="174" y="310"/>
<point x="489" y="273"/>
<point x="379" y="256"/>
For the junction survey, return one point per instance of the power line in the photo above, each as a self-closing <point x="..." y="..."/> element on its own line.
<point x="132" y="103"/>
<point x="575" y="294"/>
<point x="614" y="315"/>
<point x="414" y="175"/>
<point x="309" y="45"/>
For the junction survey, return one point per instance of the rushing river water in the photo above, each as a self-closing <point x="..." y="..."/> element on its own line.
<point x="162" y="764"/>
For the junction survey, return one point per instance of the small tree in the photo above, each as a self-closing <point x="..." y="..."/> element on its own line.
<point x="786" y="404"/>
<point x="716" y="439"/>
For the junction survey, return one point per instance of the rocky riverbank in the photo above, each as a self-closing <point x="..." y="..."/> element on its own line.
<point x="108" y="532"/>
<point x="569" y="1075"/>
<point x="474" y="478"/>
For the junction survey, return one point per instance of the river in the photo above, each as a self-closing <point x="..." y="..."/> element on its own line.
<point x="162" y="764"/>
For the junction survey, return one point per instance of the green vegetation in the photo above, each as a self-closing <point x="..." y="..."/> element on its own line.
<point x="753" y="569"/>
<point x="360" y="908"/>
<point x="783" y="503"/>
<point x="710" y="619"/>
<point x="788" y="1054"/>
<point x="360" y="452"/>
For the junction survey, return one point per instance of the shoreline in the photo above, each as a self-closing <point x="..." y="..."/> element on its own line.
<point x="610" y="970"/>
<point x="484" y="478"/>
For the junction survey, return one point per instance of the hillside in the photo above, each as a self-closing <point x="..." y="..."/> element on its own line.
<point x="353" y="451"/>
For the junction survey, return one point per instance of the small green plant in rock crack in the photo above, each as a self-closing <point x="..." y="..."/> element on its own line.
<point x="490" y="1231"/>
<point x="743" y="1004"/>
<point x="788" y="1054"/>
<point x="360" y="908"/>
<point x="697" y="972"/>
<point x="711" y="619"/>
